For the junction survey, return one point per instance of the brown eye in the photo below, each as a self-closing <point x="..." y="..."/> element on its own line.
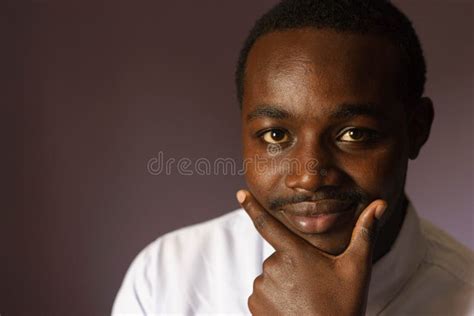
<point x="275" y="136"/>
<point x="357" y="135"/>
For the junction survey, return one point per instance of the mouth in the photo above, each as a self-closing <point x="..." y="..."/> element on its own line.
<point x="316" y="217"/>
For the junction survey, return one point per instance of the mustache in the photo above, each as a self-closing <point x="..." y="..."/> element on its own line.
<point x="354" y="195"/>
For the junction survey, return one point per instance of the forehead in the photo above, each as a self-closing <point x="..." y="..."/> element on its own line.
<point x="312" y="70"/>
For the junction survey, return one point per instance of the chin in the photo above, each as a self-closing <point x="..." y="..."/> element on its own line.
<point x="333" y="245"/>
<point x="334" y="249"/>
<point x="333" y="241"/>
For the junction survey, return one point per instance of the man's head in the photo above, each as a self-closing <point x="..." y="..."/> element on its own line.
<point x="332" y="109"/>
<point x="378" y="17"/>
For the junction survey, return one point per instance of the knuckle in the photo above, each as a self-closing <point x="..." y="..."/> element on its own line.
<point x="288" y="259"/>
<point x="366" y="234"/>
<point x="251" y="303"/>
<point x="267" y="264"/>
<point x="260" y="221"/>
<point x="258" y="283"/>
<point x="270" y="264"/>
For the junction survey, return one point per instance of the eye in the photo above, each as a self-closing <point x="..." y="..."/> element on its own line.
<point x="358" y="135"/>
<point x="275" y="136"/>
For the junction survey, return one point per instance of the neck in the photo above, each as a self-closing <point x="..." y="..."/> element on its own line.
<point x="390" y="229"/>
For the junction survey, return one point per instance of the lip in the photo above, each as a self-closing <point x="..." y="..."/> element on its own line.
<point x="316" y="217"/>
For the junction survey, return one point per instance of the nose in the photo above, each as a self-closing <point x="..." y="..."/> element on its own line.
<point x="314" y="166"/>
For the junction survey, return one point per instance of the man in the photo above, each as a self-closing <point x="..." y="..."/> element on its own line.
<point x="332" y="109"/>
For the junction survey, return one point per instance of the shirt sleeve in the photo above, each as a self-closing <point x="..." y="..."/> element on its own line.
<point x="134" y="297"/>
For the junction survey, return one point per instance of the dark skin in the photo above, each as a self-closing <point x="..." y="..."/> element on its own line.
<point x="332" y="98"/>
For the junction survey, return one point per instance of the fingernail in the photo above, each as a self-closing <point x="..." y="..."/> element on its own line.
<point x="240" y="196"/>
<point x="379" y="210"/>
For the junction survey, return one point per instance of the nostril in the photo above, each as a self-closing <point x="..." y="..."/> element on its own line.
<point x="306" y="181"/>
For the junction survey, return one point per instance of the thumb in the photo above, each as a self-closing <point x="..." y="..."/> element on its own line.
<point x="365" y="231"/>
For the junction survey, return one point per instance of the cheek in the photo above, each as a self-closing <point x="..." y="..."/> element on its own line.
<point x="262" y="173"/>
<point x="382" y="173"/>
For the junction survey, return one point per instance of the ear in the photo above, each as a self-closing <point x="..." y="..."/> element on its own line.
<point x="420" y="117"/>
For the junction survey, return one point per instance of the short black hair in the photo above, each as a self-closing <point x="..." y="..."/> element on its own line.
<point x="379" y="17"/>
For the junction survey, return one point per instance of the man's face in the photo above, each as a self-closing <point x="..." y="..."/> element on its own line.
<point x="323" y="130"/>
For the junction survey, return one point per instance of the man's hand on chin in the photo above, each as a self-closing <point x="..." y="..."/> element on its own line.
<point x="299" y="279"/>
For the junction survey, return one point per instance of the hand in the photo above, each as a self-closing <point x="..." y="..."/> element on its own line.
<point x="300" y="279"/>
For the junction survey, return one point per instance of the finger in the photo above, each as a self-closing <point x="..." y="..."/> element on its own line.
<point x="365" y="231"/>
<point x="271" y="229"/>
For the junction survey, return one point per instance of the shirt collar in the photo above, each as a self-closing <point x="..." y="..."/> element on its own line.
<point x="391" y="272"/>
<point x="394" y="269"/>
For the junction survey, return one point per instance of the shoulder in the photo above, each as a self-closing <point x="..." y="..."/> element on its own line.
<point x="163" y="273"/>
<point x="444" y="275"/>
<point x="236" y="219"/>
<point x="191" y="240"/>
<point x="447" y="255"/>
<point x="217" y="230"/>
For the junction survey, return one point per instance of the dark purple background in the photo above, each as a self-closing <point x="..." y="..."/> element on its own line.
<point x="93" y="90"/>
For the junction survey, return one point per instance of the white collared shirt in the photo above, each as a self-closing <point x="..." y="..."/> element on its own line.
<point x="209" y="268"/>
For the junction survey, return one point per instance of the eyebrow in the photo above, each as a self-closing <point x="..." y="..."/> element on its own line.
<point x="269" y="111"/>
<point x="349" y="110"/>
<point x="343" y="111"/>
